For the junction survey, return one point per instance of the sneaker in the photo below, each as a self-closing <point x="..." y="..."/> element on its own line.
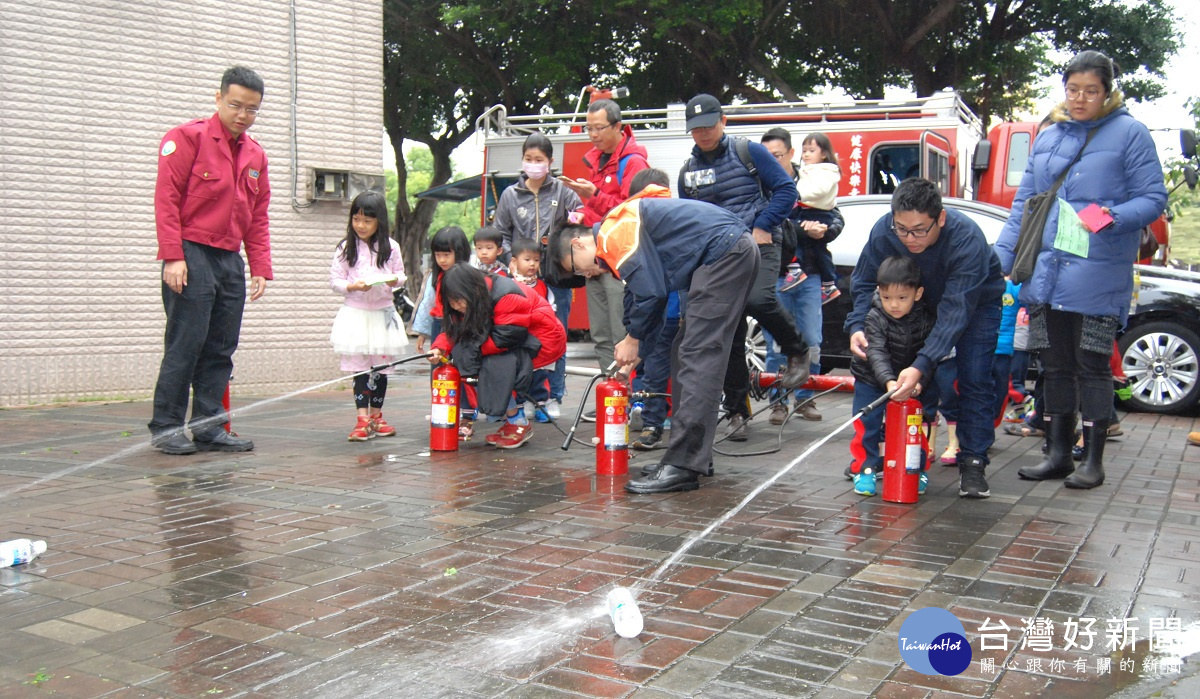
<point x="922" y="484"/>
<point x="971" y="483"/>
<point x="636" y="423"/>
<point x="950" y="456"/>
<point x="589" y="416"/>
<point x="466" y="430"/>
<point x="363" y="431"/>
<point x="779" y="413"/>
<point x="795" y="276"/>
<point x="1018" y="411"/>
<point x="849" y="473"/>
<point x="864" y="483"/>
<point x="511" y="436"/>
<point x="649" y="438"/>
<point x="382" y="429"/>
<point x="530" y="409"/>
<point x="554" y="408"/>
<point x="829" y="292"/>
<point x="808" y="411"/>
<point x="540" y="415"/>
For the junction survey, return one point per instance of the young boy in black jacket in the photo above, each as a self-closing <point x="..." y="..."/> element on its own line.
<point x="896" y="328"/>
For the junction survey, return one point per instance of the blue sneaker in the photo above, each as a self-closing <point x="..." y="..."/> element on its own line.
<point x="864" y="483"/>
<point x="540" y="414"/>
<point x="922" y="484"/>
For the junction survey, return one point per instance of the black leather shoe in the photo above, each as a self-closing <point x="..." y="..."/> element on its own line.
<point x="173" y="443"/>
<point x="797" y="371"/>
<point x="651" y="468"/>
<point x="738" y="430"/>
<point x="665" y="479"/>
<point x="222" y="441"/>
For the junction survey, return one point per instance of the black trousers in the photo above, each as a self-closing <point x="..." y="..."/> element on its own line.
<point x="714" y="303"/>
<point x="203" y="325"/>
<point x="763" y="305"/>
<point x="1075" y="378"/>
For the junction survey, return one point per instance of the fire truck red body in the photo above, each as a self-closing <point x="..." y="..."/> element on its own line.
<point x="878" y="143"/>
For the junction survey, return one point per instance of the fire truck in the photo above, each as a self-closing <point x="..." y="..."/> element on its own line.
<point x="878" y="143"/>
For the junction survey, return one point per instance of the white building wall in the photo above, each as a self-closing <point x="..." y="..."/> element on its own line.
<point x="89" y="89"/>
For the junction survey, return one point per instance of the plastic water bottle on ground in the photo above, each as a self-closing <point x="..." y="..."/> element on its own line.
<point x="626" y="617"/>
<point x="19" y="551"/>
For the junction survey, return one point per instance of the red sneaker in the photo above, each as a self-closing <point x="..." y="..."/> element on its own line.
<point x="511" y="436"/>
<point x="382" y="429"/>
<point x="363" y="431"/>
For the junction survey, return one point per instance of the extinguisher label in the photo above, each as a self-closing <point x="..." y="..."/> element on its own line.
<point x="915" y="419"/>
<point x="443" y="415"/>
<point x="616" y="436"/>
<point x="617" y="401"/>
<point x="443" y="387"/>
<point x="912" y="457"/>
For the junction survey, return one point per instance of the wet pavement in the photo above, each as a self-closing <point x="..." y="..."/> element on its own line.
<point x="313" y="566"/>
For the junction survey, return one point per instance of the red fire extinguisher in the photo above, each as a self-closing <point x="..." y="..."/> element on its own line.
<point x="443" y="410"/>
<point x="903" y="451"/>
<point x="612" y="427"/>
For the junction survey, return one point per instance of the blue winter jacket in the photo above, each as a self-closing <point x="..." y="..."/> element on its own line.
<point x="1119" y="170"/>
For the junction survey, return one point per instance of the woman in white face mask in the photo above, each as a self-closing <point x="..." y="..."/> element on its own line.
<point x="536" y="206"/>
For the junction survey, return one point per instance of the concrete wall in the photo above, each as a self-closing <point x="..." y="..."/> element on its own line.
<point x="88" y="90"/>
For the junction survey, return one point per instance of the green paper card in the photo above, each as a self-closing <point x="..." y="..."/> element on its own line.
<point x="1072" y="235"/>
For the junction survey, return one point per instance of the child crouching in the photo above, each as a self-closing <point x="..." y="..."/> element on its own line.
<point x="896" y="328"/>
<point x="499" y="331"/>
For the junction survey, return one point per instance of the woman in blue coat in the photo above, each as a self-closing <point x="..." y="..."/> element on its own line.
<point x="1082" y="283"/>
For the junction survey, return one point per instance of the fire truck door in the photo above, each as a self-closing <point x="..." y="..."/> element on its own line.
<point x="935" y="162"/>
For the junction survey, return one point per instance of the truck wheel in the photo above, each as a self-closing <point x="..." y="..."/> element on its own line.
<point x="1162" y="361"/>
<point x="756" y="346"/>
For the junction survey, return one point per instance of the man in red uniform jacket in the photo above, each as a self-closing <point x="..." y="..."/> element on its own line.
<point x="612" y="162"/>
<point x="211" y="198"/>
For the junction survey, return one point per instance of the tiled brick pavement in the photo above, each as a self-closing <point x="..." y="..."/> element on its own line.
<point x="317" y="567"/>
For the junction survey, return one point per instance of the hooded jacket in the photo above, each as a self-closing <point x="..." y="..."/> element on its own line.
<point x="523" y="213"/>
<point x="521" y="319"/>
<point x="611" y="180"/>
<point x="1120" y="170"/>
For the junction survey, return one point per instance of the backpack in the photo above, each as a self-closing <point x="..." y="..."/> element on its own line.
<point x="790" y="237"/>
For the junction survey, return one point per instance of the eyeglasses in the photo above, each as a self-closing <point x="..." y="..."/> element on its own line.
<point x="914" y="232"/>
<point x="1091" y="94"/>
<point x="593" y="130"/>
<point x="239" y="109"/>
<point x="573" y="272"/>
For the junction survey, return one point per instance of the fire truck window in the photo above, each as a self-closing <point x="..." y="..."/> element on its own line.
<point x="890" y="164"/>
<point x="937" y="170"/>
<point x="1018" y="156"/>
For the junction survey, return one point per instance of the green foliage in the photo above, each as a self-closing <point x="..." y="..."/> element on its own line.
<point x="447" y="62"/>
<point x="419" y="163"/>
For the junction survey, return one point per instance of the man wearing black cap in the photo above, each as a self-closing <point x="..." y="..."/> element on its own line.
<point x="742" y="177"/>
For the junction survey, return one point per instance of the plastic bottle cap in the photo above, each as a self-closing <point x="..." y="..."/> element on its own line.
<point x="39" y="547"/>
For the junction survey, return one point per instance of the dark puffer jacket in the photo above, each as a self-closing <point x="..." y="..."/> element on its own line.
<point x="892" y="343"/>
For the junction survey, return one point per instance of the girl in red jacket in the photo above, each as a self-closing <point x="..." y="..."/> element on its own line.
<point x="499" y="331"/>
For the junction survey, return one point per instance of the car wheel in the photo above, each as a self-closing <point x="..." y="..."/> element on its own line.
<point x="756" y="346"/>
<point x="1162" y="361"/>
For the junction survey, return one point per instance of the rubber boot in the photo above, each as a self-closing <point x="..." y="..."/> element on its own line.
<point x="1060" y="437"/>
<point x="1091" y="472"/>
